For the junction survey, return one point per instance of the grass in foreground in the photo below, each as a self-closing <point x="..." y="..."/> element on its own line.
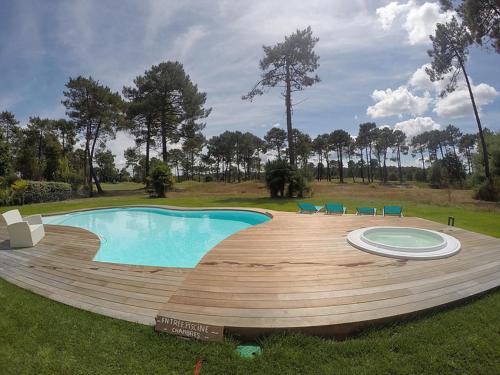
<point x="40" y="336"/>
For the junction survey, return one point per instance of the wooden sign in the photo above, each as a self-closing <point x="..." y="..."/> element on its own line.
<point x="188" y="329"/>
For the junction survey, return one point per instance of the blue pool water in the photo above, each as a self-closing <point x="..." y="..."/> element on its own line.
<point x="155" y="236"/>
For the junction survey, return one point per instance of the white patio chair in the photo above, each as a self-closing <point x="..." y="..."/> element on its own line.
<point x="25" y="232"/>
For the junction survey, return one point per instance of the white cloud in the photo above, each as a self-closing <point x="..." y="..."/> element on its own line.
<point x="420" y="79"/>
<point x="419" y="21"/>
<point x="186" y="41"/>
<point x="397" y="102"/>
<point x="416" y="126"/>
<point x="406" y="99"/>
<point x="387" y="14"/>
<point x="457" y="103"/>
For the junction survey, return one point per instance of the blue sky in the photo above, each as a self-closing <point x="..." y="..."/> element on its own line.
<point x="371" y="55"/>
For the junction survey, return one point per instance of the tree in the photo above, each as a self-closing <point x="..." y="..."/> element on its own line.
<point x="340" y="139"/>
<point x="465" y="146"/>
<point x="449" y="54"/>
<point x="38" y="128"/>
<point x="384" y="140"/>
<point x="365" y="138"/>
<point x="319" y="145"/>
<point x="65" y="131"/>
<point x="97" y="113"/>
<point x="482" y="18"/>
<point x="175" y="159"/>
<point x="436" y="140"/>
<point x="250" y="145"/>
<point x="192" y="145"/>
<point x="453" y="136"/>
<point x="288" y="65"/>
<point x="399" y="143"/>
<point x="278" y="174"/>
<point x="276" y="139"/>
<point x="9" y="133"/>
<point x="418" y="145"/>
<point x="302" y="145"/>
<point x="176" y="99"/>
<point x="161" y="179"/>
<point x="133" y="159"/>
<point x="105" y="163"/>
<point x="142" y="113"/>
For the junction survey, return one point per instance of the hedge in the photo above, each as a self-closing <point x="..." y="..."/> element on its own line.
<point x="44" y="191"/>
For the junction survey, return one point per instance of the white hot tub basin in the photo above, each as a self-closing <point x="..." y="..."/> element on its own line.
<point x="404" y="242"/>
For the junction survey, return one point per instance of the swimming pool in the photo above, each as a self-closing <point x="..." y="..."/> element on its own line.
<point x="155" y="236"/>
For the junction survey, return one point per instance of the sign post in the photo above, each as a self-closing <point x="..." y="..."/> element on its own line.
<point x="184" y="328"/>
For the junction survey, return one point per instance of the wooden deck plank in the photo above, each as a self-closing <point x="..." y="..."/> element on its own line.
<point x="294" y="272"/>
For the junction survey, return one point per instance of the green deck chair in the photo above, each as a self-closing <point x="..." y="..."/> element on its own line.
<point x="335" y="209"/>
<point x="393" y="211"/>
<point x="307" y="208"/>
<point x="366" y="211"/>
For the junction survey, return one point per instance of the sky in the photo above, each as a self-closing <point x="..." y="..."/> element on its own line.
<point x="372" y="60"/>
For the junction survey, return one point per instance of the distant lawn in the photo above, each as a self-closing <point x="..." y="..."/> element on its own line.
<point x="430" y="204"/>
<point x="40" y="336"/>
<point x="122" y="186"/>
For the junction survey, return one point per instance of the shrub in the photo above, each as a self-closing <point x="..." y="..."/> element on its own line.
<point x="161" y="180"/>
<point x="43" y="191"/>
<point x="300" y="185"/>
<point x="420" y="175"/>
<point x="277" y="175"/>
<point x="488" y="191"/>
<point x="18" y="189"/>
<point x="437" y="176"/>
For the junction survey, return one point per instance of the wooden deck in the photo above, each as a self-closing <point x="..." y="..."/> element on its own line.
<point x="294" y="272"/>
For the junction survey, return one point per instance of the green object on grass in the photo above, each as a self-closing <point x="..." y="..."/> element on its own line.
<point x="249" y="350"/>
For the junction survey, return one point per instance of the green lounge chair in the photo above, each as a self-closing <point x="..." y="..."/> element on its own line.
<point x="393" y="211"/>
<point x="335" y="208"/>
<point x="366" y="211"/>
<point x="307" y="208"/>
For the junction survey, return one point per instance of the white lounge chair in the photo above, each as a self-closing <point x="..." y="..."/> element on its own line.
<point x="25" y="232"/>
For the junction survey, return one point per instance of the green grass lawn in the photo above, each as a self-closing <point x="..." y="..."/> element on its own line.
<point x="40" y="336"/>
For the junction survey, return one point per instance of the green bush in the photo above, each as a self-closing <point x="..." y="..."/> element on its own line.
<point x="18" y="189"/>
<point x="161" y="180"/>
<point x="300" y="184"/>
<point x="43" y="191"/>
<point x="488" y="191"/>
<point x="277" y="175"/>
<point x="437" y="176"/>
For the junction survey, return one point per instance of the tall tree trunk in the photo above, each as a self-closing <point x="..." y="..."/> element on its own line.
<point x="486" y="161"/>
<point x="368" y="166"/>
<point x="289" y="129"/>
<point x="341" y="165"/>
<point x="328" y="174"/>
<point x="370" y="160"/>
<point x="441" y="150"/>
<point x="362" y="166"/>
<point x="91" y="162"/>
<point x="400" y="170"/>
<point x="163" y="136"/>
<point x="468" y="156"/>
<point x="39" y="155"/>
<point x="423" y="160"/>
<point x="148" y="144"/>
